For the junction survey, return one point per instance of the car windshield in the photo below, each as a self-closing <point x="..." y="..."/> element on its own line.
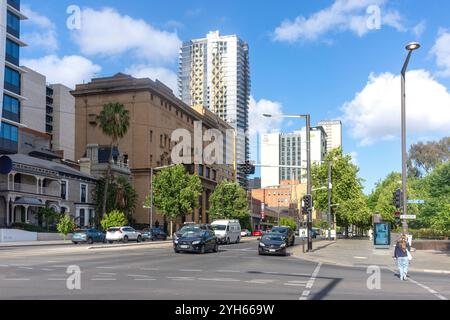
<point x="81" y="231"/>
<point x="219" y="227"/>
<point x="197" y="232"/>
<point x="189" y="228"/>
<point x="113" y="229"/>
<point x="280" y="230"/>
<point x="273" y="237"/>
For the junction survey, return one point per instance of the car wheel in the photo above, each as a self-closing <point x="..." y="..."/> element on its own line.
<point x="104" y="240"/>
<point x="139" y="239"/>
<point x="165" y="238"/>
<point x="216" y="248"/>
<point x="285" y="252"/>
<point x="74" y="242"/>
<point x="293" y="242"/>
<point x="238" y="240"/>
<point x="125" y="239"/>
<point x="176" y="251"/>
<point x="202" y="249"/>
<point x="110" y="242"/>
<point x="228" y="241"/>
<point x="90" y="241"/>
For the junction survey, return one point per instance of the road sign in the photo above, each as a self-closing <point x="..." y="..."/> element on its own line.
<point x="416" y="201"/>
<point x="408" y="216"/>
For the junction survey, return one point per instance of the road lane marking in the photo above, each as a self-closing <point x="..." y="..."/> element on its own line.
<point x="219" y="279"/>
<point x="180" y="278"/>
<point x="26" y="268"/>
<point x="56" y="279"/>
<point x="4" y="265"/>
<point x="17" y="279"/>
<point x="260" y="281"/>
<point x="190" y="270"/>
<point x="437" y="271"/>
<point x="433" y="292"/>
<point x="104" y="267"/>
<point x="138" y="275"/>
<point x="361" y="258"/>
<point x="310" y="282"/>
<point x="46" y="269"/>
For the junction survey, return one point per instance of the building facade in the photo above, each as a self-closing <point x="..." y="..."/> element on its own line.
<point x="155" y="112"/>
<point x="215" y="73"/>
<point x="10" y="73"/>
<point x="333" y="129"/>
<point x="49" y="108"/>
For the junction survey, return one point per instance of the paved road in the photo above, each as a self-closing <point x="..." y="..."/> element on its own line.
<point x="156" y="272"/>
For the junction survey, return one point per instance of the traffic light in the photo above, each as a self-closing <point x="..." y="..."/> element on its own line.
<point x="397" y="218"/>
<point x="247" y="168"/>
<point x="397" y="199"/>
<point x="307" y="202"/>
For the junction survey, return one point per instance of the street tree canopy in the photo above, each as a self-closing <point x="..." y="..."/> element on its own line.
<point x="175" y="192"/>
<point x="347" y="190"/>
<point x="229" y="201"/>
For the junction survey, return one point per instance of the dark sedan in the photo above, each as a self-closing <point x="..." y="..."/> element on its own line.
<point x="192" y="227"/>
<point x="154" y="234"/>
<point x="272" y="243"/>
<point x="89" y="236"/>
<point x="196" y="240"/>
<point x="288" y="234"/>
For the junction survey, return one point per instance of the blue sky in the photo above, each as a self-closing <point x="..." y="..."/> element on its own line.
<point x="333" y="59"/>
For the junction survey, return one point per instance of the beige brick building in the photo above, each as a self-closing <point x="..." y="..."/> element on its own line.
<point x="155" y="113"/>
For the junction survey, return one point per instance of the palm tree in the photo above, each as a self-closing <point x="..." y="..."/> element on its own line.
<point x="114" y="121"/>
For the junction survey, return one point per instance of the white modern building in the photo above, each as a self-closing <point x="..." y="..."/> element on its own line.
<point x="289" y="149"/>
<point x="333" y="129"/>
<point x="10" y="74"/>
<point x="214" y="72"/>
<point x="49" y="108"/>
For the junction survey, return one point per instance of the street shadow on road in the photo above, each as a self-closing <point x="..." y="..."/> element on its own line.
<point x="328" y="288"/>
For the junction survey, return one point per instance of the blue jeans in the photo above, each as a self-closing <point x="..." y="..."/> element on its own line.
<point x="403" y="264"/>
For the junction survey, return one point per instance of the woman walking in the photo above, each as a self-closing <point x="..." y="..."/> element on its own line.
<point x="401" y="254"/>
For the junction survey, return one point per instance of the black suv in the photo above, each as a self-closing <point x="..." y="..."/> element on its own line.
<point x="287" y="233"/>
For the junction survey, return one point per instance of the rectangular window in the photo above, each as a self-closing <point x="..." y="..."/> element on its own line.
<point x="64" y="189"/>
<point x="13" y="24"/>
<point x="200" y="170"/>
<point x="83" y="193"/>
<point x="11" y="108"/>
<point x="9" y="132"/>
<point x="12" y="77"/>
<point x="82" y="218"/>
<point x="208" y="172"/>
<point x="151" y="135"/>
<point x="12" y="52"/>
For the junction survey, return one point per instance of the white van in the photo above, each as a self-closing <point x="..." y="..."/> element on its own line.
<point x="227" y="231"/>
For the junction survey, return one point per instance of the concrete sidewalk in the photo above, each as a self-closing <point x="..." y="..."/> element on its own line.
<point x="34" y="243"/>
<point x="352" y="252"/>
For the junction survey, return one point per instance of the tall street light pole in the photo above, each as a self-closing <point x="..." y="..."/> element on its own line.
<point x="410" y="47"/>
<point x="308" y="164"/>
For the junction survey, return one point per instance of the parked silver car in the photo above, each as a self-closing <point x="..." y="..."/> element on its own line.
<point x="123" y="234"/>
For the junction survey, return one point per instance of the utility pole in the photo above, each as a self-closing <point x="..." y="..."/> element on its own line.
<point x="329" y="200"/>
<point x="308" y="182"/>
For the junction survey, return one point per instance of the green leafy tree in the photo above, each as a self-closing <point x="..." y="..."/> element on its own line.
<point x="114" y="121"/>
<point x="347" y="190"/>
<point x="229" y="201"/>
<point x="65" y="225"/>
<point x="424" y="157"/>
<point x="288" y="222"/>
<point x="175" y="192"/>
<point x="115" y="218"/>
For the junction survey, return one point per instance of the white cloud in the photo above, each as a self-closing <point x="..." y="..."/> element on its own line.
<point x="68" y="70"/>
<point x="419" y="29"/>
<point x="45" y="35"/>
<point x="260" y="124"/>
<point x="374" y="113"/>
<point x="166" y="76"/>
<point x="107" y="32"/>
<point x="441" y="51"/>
<point x="342" y="15"/>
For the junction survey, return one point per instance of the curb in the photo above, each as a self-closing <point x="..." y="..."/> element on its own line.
<point x="35" y="245"/>
<point x="122" y="245"/>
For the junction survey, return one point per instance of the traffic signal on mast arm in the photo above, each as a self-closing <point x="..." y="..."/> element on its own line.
<point x="247" y="168"/>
